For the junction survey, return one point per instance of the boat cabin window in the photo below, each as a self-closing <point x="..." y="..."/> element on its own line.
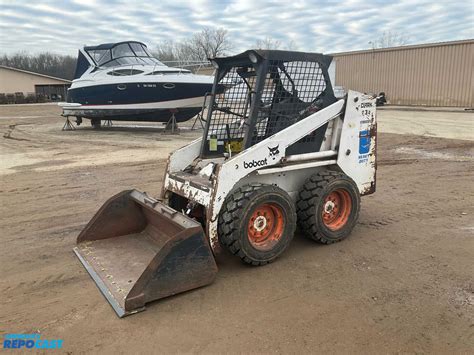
<point x="123" y="72"/>
<point x="128" y="53"/>
<point x="122" y="50"/>
<point x="100" y="56"/>
<point x="138" y="49"/>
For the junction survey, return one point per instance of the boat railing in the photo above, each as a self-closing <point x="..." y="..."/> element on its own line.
<point x="193" y="65"/>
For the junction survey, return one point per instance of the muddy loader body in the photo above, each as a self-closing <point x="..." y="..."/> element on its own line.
<point x="278" y="149"/>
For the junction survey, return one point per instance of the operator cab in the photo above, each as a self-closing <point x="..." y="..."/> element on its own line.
<point x="271" y="90"/>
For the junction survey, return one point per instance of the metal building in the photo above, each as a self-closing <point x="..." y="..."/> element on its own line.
<point x="437" y="74"/>
<point x="22" y="83"/>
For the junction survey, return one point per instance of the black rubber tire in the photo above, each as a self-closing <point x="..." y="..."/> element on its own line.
<point x="234" y="218"/>
<point x="96" y="123"/>
<point x="310" y="206"/>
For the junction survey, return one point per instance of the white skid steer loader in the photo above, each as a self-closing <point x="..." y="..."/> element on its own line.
<point x="278" y="149"/>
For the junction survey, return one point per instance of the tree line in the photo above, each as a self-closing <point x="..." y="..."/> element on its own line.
<point x="61" y="66"/>
<point x="208" y="43"/>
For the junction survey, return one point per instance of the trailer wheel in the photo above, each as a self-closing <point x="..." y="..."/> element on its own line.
<point x="328" y="206"/>
<point x="96" y="123"/>
<point x="257" y="223"/>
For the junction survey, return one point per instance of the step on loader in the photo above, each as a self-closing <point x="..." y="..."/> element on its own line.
<point x="279" y="149"/>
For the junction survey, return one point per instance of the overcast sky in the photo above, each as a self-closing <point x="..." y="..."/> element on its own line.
<point x="321" y="26"/>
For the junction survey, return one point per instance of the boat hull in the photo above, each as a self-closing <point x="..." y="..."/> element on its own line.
<point x="137" y="101"/>
<point x="136" y="93"/>
<point x="145" y="115"/>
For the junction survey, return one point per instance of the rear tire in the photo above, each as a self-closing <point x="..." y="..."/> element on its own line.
<point x="257" y="223"/>
<point x="328" y="206"/>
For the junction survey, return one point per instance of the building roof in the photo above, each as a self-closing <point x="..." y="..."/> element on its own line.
<point x="37" y="74"/>
<point x="400" y="48"/>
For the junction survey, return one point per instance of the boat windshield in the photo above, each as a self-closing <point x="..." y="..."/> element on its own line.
<point x="126" y="53"/>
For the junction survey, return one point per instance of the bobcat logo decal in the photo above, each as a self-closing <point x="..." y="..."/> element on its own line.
<point x="274" y="151"/>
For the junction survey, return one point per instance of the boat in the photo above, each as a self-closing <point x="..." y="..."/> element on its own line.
<point x="124" y="82"/>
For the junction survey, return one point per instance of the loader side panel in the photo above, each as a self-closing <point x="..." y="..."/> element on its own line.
<point x="182" y="157"/>
<point x="358" y="142"/>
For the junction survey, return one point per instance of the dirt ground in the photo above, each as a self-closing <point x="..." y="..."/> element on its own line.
<point x="402" y="283"/>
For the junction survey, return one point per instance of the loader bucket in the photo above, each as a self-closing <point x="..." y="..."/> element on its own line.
<point x="138" y="250"/>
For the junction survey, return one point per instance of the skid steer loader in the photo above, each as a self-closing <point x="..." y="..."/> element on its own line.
<point x="278" y="149"/>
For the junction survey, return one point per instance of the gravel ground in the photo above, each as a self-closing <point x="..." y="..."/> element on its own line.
<point x="401" y="283"/>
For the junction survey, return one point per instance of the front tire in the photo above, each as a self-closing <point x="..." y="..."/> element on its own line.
<point x="257" y="223"/>
<point x="328" y="207"/>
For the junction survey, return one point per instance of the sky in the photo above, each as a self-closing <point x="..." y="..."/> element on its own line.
<point x="307" y="25"/>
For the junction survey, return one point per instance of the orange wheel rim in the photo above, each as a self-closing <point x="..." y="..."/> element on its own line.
<point x="337" y="207"/>
<point x="265" y="226"/>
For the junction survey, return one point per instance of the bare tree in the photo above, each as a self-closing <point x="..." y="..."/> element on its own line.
<point x="208" y="43"/>
<point x="291" y="46"/>
<point x="169" y="51"/>
<point x="268" y="43"/>
<point x="165" y="51"/>
<point x="389" y="39"/>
